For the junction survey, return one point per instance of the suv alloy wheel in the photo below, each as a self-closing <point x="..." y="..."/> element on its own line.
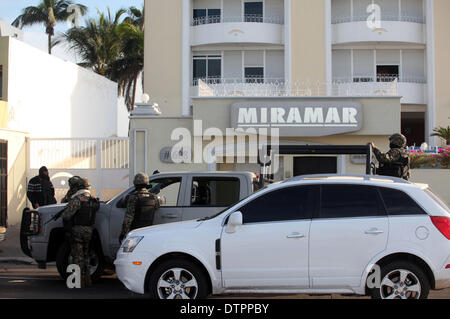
<point x="402" y="280"/>
<point x="177" y="279"/>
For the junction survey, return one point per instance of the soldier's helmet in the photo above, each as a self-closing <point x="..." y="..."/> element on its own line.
<point x="398" y="140"/>
<point x="141" y="179"/>
<point x="76" y="182"/>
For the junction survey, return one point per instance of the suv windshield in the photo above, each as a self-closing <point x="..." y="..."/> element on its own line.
<point x="438" y="200"/>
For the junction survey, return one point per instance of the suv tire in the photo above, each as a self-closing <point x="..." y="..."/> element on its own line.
<point x="413" y="285"/>
<point x="62" y="261"/>
<point x="184" y="279"/>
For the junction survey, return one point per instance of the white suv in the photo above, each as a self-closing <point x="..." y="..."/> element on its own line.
<point x="383" y="237"/>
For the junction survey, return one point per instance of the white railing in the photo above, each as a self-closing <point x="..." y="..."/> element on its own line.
<point x="381" y="78"/>
<point x="384" y="17"/>
<point x="104" y="161"/>
<point x="255" y="18"/>
<point x="278" y="87"/>
<point x="72" y="153"/>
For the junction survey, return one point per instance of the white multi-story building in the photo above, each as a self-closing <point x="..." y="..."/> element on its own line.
<point x="312" y="47"/>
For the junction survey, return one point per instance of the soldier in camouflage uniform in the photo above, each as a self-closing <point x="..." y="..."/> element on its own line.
<point x="72" y="189"/>
<point x="141" y="206"/>
<point x="79" y="219"/>
<point x="396" y="161"/>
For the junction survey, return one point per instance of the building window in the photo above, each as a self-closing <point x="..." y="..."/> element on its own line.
<point x="253" y="12"/>
<point x="206" y="16"/>
<point x="387" y="73"/>
<point x="207" y="68"/>
<point x="254" y="75"/>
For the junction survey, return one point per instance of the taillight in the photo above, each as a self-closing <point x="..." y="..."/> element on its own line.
<point x="442" y="224"/>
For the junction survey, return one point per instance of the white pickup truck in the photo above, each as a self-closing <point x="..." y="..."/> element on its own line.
<point x="183" y="196"/>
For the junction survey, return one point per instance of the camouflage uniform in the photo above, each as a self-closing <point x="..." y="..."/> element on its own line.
<point x="140" y="182"/>
<point x="72" y="189"/>
<point x="397" y="156"/>
<point x="80" y="236"/>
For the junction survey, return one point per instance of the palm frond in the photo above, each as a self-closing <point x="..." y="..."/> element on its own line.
<point x="30" y="16"/>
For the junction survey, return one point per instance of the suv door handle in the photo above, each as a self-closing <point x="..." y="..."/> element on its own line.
<point x="170" y="215"/>
<point x="295" y="235"/>
<point x="374" y="231"/>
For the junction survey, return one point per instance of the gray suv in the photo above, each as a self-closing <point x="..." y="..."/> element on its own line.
<point x="183" y="196"/>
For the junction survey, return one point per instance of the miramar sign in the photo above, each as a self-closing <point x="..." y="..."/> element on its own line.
<point x="312" y="118"/>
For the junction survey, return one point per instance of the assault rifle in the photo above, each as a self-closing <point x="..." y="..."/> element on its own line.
<point x="58" y="215"/>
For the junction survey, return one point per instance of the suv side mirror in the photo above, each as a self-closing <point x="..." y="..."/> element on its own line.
<point x="234" y="221"/>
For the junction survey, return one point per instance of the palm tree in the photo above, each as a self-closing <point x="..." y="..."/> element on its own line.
<point x="98" y="43"/>
<point x="443" y="133"/>
<point x="135" y="17"/>
<point x="127" y="68"/>
<point x="130" y="64"/>
<point x="113" y="48"/>
<point x="47" y="12"/>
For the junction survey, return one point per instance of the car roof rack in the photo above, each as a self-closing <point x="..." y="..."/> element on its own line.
<point x="344" y="176"/>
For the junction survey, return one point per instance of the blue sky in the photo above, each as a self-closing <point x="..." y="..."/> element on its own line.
<point x="10" y="9"/>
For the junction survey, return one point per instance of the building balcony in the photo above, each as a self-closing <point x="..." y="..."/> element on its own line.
<point x="411" y="89"/>
<point x="394" y="29"/>
<point x="244" y="29"/>
<point x="264" y="87"/>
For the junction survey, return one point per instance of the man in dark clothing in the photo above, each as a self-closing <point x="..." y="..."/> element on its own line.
<point x="79" y="220"/>
<point x="396" y="161"/>
<point x="40" y="190"/>
<point x="141" y="206"/>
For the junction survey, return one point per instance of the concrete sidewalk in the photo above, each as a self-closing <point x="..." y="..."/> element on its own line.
<point x="10" y="251"/>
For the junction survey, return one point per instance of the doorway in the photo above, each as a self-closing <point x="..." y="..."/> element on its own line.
<point x="413" y="127"/>
<point x="314" y="165"/>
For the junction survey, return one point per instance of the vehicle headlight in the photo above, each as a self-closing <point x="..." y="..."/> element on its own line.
<point x="130" y="243"/>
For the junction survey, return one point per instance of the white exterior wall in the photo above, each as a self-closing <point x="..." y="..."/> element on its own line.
<point x="274" y="64"/>
<point x="232" y="8"/>
<point x="274" y="8"/>
<point x="232" y="65"/>
<point x="49" y="97"/>
<point x="206" y="4"/>
<point x="7" y="30"/>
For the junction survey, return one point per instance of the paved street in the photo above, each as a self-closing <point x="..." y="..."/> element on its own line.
<point x="29" y="282"/>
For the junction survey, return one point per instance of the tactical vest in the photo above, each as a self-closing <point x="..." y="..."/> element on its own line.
<point x="145" y="211"/>
<point x="86" y="214"/>
<point x="398" y="169"/>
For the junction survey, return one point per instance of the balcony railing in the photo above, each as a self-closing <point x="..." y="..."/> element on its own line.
<point x="381" y="78"/>
<point x="385" y="17"/>
<point x="270" y="87"/>
<point x="246" y="18"/>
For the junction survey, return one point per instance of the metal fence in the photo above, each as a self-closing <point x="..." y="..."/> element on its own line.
<point x="104" y="161"/>
<point x="79" y="153"/>
<point x="384" y="17"/>
<point x="254" y="18"/>
<point x="278" y="87"/>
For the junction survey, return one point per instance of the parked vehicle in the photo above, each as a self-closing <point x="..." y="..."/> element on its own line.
<point x="183" y="196"/>
<point x="312" y="234"/>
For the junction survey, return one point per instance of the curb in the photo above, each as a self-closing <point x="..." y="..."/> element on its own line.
<point x="17" y="260"/>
